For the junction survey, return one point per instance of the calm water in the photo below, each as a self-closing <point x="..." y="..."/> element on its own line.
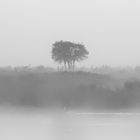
<point x="68" y="126"/>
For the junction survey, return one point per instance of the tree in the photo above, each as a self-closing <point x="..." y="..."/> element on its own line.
<point x="78" y="53"/>
<point x="68" y="53"/>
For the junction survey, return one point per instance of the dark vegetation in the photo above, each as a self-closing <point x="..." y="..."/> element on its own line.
<point x="68" y="53"/>
<point x="70" y="90"/>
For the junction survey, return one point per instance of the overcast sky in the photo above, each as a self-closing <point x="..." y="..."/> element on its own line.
<point x="110" y="30"/>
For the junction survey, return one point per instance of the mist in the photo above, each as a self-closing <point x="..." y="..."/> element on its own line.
<point x="110" y="30"/>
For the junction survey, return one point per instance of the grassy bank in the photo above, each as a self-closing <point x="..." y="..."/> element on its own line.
<point x="69" y="90"/>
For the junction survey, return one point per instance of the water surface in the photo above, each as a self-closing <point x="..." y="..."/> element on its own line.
<point x="24" y="125"/>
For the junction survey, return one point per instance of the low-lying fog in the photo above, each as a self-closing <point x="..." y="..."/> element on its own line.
<point x="33" y="125"/>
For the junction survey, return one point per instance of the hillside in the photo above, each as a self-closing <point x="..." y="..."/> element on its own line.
<point x="69" y="90"/>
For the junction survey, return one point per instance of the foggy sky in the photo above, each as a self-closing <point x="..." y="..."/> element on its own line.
<point x="110" y="29"/>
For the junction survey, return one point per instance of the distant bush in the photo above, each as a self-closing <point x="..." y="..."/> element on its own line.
<point x="132" y="85"/>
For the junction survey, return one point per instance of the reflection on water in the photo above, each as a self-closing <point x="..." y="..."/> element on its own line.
<point x="69" y="126"/>
<point x="96" y="127"/>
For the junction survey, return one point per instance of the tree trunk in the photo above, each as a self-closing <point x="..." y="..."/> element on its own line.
<point x="69" y="66"/>
<point x="73" y="65"/>
<point x="65" y="65"/>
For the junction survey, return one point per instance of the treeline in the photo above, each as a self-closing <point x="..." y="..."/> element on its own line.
<point x="69" y="90"/>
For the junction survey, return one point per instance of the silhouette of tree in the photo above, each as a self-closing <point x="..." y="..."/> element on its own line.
<point x="78" y="53"/>
<point x="68" y="53"/>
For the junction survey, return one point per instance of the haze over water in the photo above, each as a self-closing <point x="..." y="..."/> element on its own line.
<point x="62" y="126"/>
<point x="110" y="31"/>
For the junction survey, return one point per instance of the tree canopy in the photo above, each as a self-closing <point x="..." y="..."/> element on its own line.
<point x="68" y="53"/>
